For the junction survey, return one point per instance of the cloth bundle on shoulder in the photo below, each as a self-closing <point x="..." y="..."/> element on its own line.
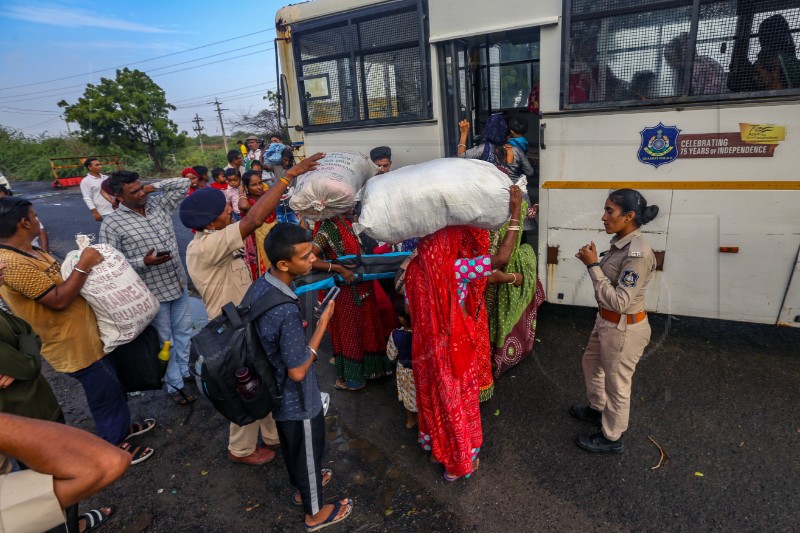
<point x="331" y="189"/>
<point x="418" y="200"/>
<point x="123" y="304"/>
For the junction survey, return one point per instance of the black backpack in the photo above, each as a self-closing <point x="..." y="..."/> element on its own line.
<point x="230" y="342"/>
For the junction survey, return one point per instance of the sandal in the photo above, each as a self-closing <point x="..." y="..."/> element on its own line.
<point x="137" y="428"/>
<point x="327" y="475"/>
<point x="96" y="517"/>
<point x="138" y="453"/>
<point x="476" y="462"/>
<point x="341" y="385"/>
<point x="181" y="398"/>
<point x="337" y="506"/>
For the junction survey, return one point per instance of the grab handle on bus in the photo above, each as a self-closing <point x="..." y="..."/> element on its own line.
<point x="542" y="126"/>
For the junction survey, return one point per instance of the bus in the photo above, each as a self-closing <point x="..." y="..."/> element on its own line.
<point x="692" y="102"/>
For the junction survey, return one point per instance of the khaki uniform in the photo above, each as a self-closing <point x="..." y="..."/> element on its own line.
<point x="614" y="348"/>
<point x="28" y="502"/>
<point x="220" y="275"/>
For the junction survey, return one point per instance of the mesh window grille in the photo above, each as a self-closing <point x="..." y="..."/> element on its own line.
<point x="376" y="64"/>
<point x="651" y="51"/>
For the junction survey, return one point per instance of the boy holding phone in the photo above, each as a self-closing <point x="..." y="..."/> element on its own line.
<point x="300" y="419"/>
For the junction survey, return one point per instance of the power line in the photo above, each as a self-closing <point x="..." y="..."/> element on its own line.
<point x="160" y="74"/>
<point x="228" y="98"/>
<point x="219" y="92"/>
<point x="136" y="62"/>
<point x="28" y="95"/>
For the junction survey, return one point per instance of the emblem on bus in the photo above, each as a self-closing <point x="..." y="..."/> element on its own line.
<point x="659" y="145"/>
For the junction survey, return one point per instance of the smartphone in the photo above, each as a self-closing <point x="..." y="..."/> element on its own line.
<point x="162" y="253"/>
<point x="332" y="294"/>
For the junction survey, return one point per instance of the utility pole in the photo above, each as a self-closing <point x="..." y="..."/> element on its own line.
<point x="198" y="129"/>
<point x="217" y="103"/>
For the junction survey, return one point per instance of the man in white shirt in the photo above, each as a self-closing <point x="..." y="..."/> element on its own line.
<point x="254" y="152"/>
<point x="97" y="200"/>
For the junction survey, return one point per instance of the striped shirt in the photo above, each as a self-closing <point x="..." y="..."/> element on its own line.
<point x="134" y="235"/>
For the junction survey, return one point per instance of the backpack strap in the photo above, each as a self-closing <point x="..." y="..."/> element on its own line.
<point x="230" y="311"/>
<point x="265" y="303"/>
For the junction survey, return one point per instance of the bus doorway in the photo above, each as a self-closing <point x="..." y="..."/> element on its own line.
<point x="487" y="74"/>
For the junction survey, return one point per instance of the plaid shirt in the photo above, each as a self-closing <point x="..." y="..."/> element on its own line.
<point x="134" y="235"/>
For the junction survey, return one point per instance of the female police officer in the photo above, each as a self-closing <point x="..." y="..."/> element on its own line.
<point x="621" y="331"/>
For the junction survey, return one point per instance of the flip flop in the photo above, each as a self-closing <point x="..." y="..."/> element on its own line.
<point x="95" y="518"/>
<point x="343" y="386"/>
<point x="337" y="505"/>
<point x="137" y="428"/>
<point x="325" y="480"/>
<point x="181" y="398"/>
<point x="139" y="454"/>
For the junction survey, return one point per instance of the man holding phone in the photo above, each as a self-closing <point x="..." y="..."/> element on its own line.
<point x="141" y="228"/>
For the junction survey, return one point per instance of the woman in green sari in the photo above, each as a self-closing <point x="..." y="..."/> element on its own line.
<point x="512" y="310"/>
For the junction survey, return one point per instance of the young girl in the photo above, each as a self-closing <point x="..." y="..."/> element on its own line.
<point x="399" y="347"/>
<point x="232" y="193"/>
<point x="220" y="178"/>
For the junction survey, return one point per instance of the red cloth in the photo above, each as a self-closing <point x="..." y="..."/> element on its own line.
<point x="445" y="357"/>
<point x="389" y="320"/>
<point x="220" y="186"/>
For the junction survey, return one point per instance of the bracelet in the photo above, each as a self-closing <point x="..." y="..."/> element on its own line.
<point x="316" y="355"/>
<point x="461" y="144"/>
<point x="287" y="182"/>
<point x="330" y="266"/>
<point x="83" y="271"/>
<point x="595" y="264"/>
<point x="513" y="228"/>
<point x="515" y="279"/>
<point x="513" y="220"/>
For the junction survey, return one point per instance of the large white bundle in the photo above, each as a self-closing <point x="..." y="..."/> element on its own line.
<point x="421" y="199"/>
<point x="331" y="189"/>
<point x="123" y="304"/>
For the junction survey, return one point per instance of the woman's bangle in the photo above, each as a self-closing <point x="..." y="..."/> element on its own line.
<point x="515" y="279"/>
<point x="83" y="271"/>
<point x="316" y="355"/>
<point x="287" y="182"/>
<point x="330" y="266"/>
<point x="513" y="228"/>
<point x="461" y="144"/>
<point x="513" y="220"/>
<point x="595" y="264"/>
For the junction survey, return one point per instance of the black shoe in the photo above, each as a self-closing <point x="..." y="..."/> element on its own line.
<point x="598" y="443"/>
<point x="586" y="413"/>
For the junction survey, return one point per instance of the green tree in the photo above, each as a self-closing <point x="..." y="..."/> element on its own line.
<point x="130" y="111"/>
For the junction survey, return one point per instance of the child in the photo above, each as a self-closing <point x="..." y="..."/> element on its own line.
<point x="233" y="192"/>
<point x="220" y="178"/>
<point x="399" y="347"/>
<point x="266" y="176"/>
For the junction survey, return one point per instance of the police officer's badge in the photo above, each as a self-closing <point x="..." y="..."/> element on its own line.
<point x="629" y="279"/>
<point x="659" y="145"/>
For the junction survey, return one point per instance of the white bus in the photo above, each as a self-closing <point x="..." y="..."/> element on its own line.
<point x="692" y="102"/>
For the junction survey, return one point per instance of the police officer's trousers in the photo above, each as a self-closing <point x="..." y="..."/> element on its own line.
<point x="608" y="366"/>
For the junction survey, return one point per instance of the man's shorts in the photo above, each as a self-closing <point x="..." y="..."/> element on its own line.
<point x="28" y="503"/>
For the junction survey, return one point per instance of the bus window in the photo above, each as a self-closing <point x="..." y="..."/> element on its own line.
<point x="655" y="52"/>
<point x="363" y="68"/>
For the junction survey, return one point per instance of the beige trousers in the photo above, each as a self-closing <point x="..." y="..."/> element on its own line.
<point x="244" y="439"/>
<point x="608" y="366"/>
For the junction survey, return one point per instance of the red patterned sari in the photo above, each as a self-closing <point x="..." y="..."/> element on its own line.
<point x="446" y="356"/>
<point x="356" y="329"/>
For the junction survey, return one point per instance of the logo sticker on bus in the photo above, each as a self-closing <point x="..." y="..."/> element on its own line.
<point x="659" y="145"/>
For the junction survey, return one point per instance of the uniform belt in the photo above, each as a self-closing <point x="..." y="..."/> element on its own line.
<point x="633" y="318"/>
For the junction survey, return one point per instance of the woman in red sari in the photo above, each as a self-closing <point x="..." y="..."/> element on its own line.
<point x="254" y="254"/>
<point x="359" y="346"/>
<point x="445" y="285"/>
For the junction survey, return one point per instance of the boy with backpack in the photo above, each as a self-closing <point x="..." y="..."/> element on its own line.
<point x="300" y="418"/>
<point x="216" y="266"/>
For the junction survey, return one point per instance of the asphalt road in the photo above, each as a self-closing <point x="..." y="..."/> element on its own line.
<point x="721" y="398"/>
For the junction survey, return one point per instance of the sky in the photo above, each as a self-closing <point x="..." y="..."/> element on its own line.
<point x="50" y="51"/>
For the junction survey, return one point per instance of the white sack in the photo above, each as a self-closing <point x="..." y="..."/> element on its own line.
<point x="421" y="199"/>
<point x="331" y="189"/>
<point x="123" y="304"/>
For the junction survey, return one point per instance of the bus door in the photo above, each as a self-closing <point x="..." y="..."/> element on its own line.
<point x="487" y="74"/>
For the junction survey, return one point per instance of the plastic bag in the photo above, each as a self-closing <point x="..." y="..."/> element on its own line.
<point x="331" y="189"/>
<point x="123" y="304"/>
<point x="418" y="200"/>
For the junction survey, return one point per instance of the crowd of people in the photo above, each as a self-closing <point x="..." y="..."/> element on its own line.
<point x="462" y="310"/>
